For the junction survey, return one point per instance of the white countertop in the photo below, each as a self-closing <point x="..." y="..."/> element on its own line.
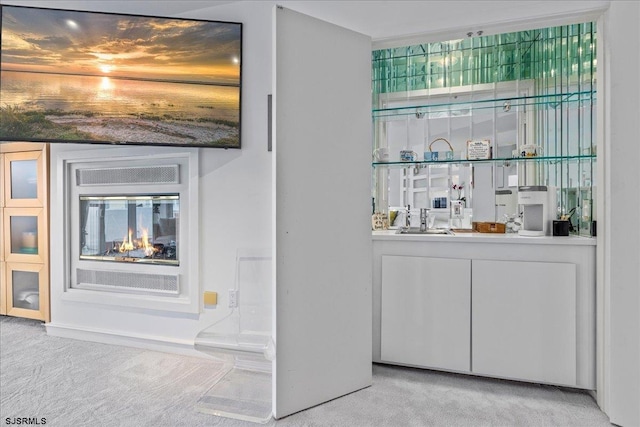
<point x="484" y="238"/>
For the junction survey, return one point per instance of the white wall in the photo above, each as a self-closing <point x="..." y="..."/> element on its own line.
<point x="235" y="198"/>
<point x="622" y="204"/>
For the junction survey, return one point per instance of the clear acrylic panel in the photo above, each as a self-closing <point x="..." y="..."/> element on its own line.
<point x="25" y="289"/>
<point x="241" y="394"/>
<point x="24" y="179"/>
<point x="244" y="392"/>
<point x="255" y="305"/>
<point x="24" y="234"/>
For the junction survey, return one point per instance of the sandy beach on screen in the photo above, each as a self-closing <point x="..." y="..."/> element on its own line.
<point x="131" y="129"/>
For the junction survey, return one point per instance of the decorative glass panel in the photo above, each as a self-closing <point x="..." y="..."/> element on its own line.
<point x="25" y="289"/>
<point x="24" y="179"/>
<point x="24" y="234"/>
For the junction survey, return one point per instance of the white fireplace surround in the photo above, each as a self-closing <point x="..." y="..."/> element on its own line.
<point x="130" y="171"/>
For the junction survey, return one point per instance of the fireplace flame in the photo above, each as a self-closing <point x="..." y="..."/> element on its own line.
<point x="127" y="245"/>
<point x="148" y="248"/>
<point x="130" y="244"/>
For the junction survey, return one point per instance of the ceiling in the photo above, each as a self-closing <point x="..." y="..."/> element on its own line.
<point x="381" y="20"/>
<point x="136" y="7"/>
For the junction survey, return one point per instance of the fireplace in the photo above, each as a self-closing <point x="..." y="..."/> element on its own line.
<point x="138" y="228"/>
<point x="131" y="219"/>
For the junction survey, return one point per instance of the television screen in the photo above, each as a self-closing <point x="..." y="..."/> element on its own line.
<point x="71" y="76"/>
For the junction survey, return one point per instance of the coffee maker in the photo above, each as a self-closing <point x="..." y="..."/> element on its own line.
<point x="538" y="209"/>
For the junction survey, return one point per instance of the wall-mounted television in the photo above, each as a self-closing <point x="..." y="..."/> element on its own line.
<point x="93" y="77"/>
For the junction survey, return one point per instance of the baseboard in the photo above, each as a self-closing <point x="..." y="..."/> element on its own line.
<point x="146" y="342"/>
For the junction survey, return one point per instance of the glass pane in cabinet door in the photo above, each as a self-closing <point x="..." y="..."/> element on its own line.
<point x="25" y="289"/>
<point x="24" y="234"/>
<point x="24" y="179"/>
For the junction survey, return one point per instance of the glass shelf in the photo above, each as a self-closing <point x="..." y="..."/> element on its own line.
<point x="450" y="109"/>
<point x="534" y="88"/>
<point x="548" y="159"/>
<point x="540" y="54"/>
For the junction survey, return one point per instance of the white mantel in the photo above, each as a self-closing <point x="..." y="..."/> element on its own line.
<point x="135" y="163"/>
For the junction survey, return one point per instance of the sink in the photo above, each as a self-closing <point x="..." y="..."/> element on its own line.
<point x="416" y="230"/>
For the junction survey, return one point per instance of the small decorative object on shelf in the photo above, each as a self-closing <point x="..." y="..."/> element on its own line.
<point x="380" y="221"/>
<point x="408" y="156"/>
<point x="561" y="227"/>
<point x="440" y="203"/>
<point x="456" y="209"/>
<point x="438" y="155"/>
<point x="29" y="242"/>
<point x="530" y="150"/>
<point x="459" y="188"/>
<point x="479" y="150"/>
<point x="381" y="154"/>
<point x="489" y="227"/>
<point x="512" y="223"/>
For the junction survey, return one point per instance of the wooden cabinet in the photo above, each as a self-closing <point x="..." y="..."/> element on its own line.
<point x="524" y="320"/>
<point x="426" y="310"/>
<point x="24" y="247"/>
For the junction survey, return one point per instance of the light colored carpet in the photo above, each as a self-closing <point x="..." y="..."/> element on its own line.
<point x="77" y="383"/>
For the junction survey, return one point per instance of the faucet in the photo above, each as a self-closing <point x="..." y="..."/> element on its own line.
<point x="407" y="218"/>
<point x="424" y="214"/>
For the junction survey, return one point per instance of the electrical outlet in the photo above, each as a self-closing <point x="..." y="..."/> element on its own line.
<point x="233" y="298"/>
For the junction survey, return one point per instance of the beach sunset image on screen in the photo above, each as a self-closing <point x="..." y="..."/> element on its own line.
<point x="72" y="76"/>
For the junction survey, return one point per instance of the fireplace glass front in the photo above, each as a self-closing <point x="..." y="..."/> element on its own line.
<point x="141" y="229"/>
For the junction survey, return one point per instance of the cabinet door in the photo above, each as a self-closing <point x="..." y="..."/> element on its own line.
<point x="2" y="234"/>
<point x="524" y="320"/>
<point x="25" y="235"/>
<point x="426" y="316"/>
<point x="3" y="289"/>
<point x="24" y="179"/>
<point x="27" y="290"/>
<point x="2" y="184"/>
